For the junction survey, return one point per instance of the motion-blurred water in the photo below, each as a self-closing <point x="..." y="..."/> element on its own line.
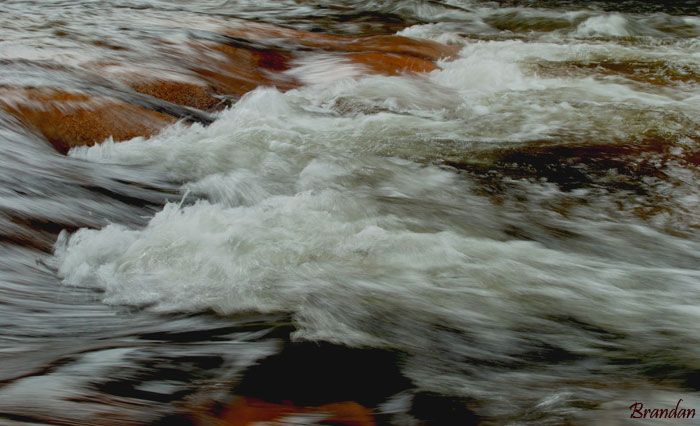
<point x="519" y="226"/>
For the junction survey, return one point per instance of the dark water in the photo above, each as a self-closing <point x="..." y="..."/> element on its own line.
<point x="511" y="238"/>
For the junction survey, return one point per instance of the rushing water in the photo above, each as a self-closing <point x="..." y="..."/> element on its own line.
<point x="511" y="238"/>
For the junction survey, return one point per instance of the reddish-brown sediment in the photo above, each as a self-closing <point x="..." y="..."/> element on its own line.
<point x="247" y="411"/>
<point x="68" y="119"/>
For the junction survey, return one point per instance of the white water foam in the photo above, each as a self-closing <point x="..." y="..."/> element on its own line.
<point x="294" y="228"/>
<point x="306" y="208"/>
<point x="613" y="25"/>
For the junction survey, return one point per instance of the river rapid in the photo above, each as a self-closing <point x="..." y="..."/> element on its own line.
<point x="506" y="233"/>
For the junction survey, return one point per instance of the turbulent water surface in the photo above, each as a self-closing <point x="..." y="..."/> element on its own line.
<point x="506" y="236"/>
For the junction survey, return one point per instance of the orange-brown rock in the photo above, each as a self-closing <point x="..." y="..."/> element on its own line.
<point x="425" y="49"/>
<point x="391" y="63"/>
<point x="384" y="54"/>
<point x="658" y="73"/>
<point x="258" y="54"/>
<point x="74" y="119"/>
<point x="248" y="411"/>
<point x="255" y="55"/>
<point x="234" y="70"/>
<point x="243" y="69"/>
<point x="178" y="92"/>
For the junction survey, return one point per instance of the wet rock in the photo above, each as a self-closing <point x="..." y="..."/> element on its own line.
<point x="307" y="381"/>
<point x="247" y="411"/>
<point x="657" y="73"/>
<point x="425" y="49"/>
<point x="69" y="119"/>
<point x="382" y="54"/>
<point x="392" y="63"/>
<point x="236" y="70"/>
<point x="313" y="374"/>
<point x="178" y="92"/>
<point x="434" y="409"/>
<point x="618" y="166"/>
<point x="230" y="64"/>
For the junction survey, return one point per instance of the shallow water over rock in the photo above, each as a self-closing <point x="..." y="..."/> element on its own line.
<point x="405" y="212"/>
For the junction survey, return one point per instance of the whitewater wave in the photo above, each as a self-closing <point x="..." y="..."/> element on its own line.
<point x="330" y="202"/>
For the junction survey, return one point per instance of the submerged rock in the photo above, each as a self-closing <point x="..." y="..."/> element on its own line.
<point x="235" y="70"/>
<point x="392" y="63"/>
<point x="231" y="63"/>
<point x="246" y="411"/>
<point x="425" y="49"/>
<point x="178" y="92"/>
<point x="68" y="119"/>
